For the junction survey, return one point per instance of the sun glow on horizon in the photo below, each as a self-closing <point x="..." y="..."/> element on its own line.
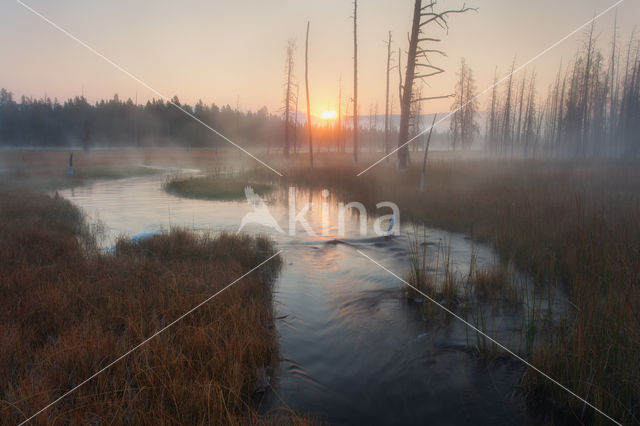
<point x="329" y="114"/>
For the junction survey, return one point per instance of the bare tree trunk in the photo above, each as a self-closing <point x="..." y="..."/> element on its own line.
<point x="295" y="123"/>
<point x="556" y="109"/>
<point x="400" y="74"/>
<point x="426" y="151"/>
<point x="585" y="96"/>
<point x="506" y="135"/>
<point x="470" y="111"/>
<point x="613" y="91"/>
<point x="287" y="112"/>
<point x="492" y="128"/>
<point x="375" y="125"/>
<point x="561" y="120"/>
<point x="462" y="108"/>
<point x="405" y="105"/>
<point x="339" y="135"/>
<point x="370" y="127"/>
<point x="520" y="103"/>
<point x="355" y="81"/>
<point x="288" y="98"/>
<point x="306" y="83"/>
<point x="421" y="16"/>
<point x="386" y="102"/>
<point x="458" y="117"/>
<point x="530" y="116"/>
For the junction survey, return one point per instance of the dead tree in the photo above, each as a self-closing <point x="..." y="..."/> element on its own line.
<point x="375" y="123"/>
<point x="386" y="102"/>
<point x="400" y="74"/>
<point x="423" y="17"/>
<point x="492" y="126"/>
<point x="295" y="122"/>
<point x="355" y="81"/>
<point x="456" y="126"/>
<point x="306" y="83"/>
<point x="339" y="133"/>
<point x="415" y="117"/>
<point x="613" y="92"/>
<point x="530" y="128"/>
<point x="586" y="92"/>
<point x="518" y="127"/>
<point x="469" y="125"/>
<point x="370" y="127"/>
<point x="288" y="97"/>
<point x="506" y="129"/>
<point x="426" y="151"/>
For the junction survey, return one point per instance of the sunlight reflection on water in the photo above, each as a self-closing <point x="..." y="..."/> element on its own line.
<point x="353" y="350"/>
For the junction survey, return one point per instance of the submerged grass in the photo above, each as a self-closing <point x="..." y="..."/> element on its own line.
<point x="66" y="312"/>
<point x="467" y="295"/>
<point x="573" y="225"/>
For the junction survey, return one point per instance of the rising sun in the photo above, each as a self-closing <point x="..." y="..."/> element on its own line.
<point x="329" y="114"/>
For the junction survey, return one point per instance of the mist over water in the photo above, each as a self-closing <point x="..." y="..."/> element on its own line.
<point x="352" y="347"/>
<point x="240" y="133"/>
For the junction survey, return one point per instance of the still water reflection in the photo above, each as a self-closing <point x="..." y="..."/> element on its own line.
<point x="353" y="350"/>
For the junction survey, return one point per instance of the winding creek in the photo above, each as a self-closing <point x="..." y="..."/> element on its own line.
<point x="353" y="350"/>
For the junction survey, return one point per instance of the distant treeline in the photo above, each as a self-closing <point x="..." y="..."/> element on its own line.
<point x="591" y="110"/>
<point x="115" y="123"/>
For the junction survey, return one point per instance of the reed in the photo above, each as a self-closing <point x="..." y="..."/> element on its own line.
<point x="66" y="313"/>
<point x="568" y="225"/>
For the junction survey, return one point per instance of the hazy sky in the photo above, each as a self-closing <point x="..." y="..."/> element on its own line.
<point x="218" y="51"/>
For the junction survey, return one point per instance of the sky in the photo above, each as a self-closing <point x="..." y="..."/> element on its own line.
<point x="231" y="52"/>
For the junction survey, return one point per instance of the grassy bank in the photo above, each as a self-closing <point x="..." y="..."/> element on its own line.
<point x="574" y="225"/>
<point x="214" y="186"/>
<point x="68" y="310"/>
<point x="47" y="171"/>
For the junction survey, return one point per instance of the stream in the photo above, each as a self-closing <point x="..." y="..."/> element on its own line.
<point x="353" y="350"/>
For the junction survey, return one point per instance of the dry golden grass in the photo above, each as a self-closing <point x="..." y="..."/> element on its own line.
<point x="575" y="225"/>
<point x="66" y="312"/>
<point x="46" y="170"/>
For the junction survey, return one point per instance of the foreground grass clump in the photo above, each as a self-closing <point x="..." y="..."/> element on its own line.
<point x="571" y="225"/>
<point x="67" y="311"/>
<point x="214" y="186"/>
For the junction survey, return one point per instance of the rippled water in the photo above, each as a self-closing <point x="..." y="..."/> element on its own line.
<point x="354" y="351"/>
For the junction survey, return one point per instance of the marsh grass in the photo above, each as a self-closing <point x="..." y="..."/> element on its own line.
<point x="216" y="185"/>
<point x="419" y="276"/>
<point x="493" y="282"/>
<point x="469" y="295"/>
<point x="65" y="314"/>
<point x="569" y="225"/>
<point x="50" y="179"/>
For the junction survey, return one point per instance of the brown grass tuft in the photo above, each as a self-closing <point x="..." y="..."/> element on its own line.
<point x="65" y="315"/>
<point x="575" y="225"/>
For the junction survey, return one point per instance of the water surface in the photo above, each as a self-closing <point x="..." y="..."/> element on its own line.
<point x="353" y="349"/>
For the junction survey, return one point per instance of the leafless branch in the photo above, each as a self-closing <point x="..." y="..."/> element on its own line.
<point x="431" y="98"/>
<point x="429" y="74"/>
<point x="433" y="67"/>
